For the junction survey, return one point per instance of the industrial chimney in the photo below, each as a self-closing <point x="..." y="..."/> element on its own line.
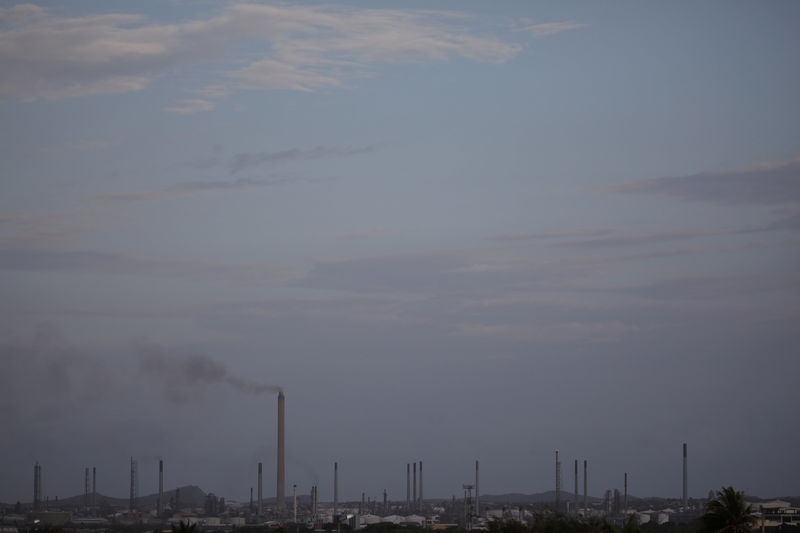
<point x="415" y="485"/>
<point x="260" y="502"/>
<point x="408" y="486"/>
<point x="281" y="494"/>
<point x="626" y="494"/>
<point x="685" y="482"/>
<point x="477" y="493"/>
<point x="585" y="484"/>
<point x="37" y="486"/>
<point x="160" y="509"/>
<point x="421" y="500"/>
<point x="576" y="487"/>
<point x="558" y="483"/>
<point x="335" y="490"/>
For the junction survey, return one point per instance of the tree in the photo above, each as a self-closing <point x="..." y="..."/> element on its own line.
<point x="185" y="527"/>
<point x="728" y="513"/>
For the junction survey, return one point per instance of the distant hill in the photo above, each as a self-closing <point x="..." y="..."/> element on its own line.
<point x="191" y="495"/>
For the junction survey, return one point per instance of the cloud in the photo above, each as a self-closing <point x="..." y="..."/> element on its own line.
<point x="19" y="12"/>
<point x="553" y="234"/>
<point x="765" y="184"/>
<point x="45" y="56"/>
<point x="246" y="160"/>
<point x="190" y="107"/>
<point x="570" y="332"/>
<point x="55" y="227"/>
<point x="105" y="263"/>
<point x="549" y="28"/>
<point x="201" y="187"/>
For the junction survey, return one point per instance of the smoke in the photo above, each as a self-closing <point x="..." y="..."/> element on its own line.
<point x="187" y="376"/>
<point x="43" y="376"/>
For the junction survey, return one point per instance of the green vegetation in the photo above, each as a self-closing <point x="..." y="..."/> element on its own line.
<point x="727" y="513"/>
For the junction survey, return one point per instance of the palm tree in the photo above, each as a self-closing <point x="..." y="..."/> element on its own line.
<point x="728" y="513"/>
<point x="185" y="527"/>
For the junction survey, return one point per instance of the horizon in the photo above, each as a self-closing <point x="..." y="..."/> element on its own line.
<point x="479" y="231"/>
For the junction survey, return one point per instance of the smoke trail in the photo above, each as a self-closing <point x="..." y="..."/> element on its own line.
<point x="184" y="376"/>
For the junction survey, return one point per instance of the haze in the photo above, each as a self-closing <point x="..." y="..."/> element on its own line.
<point x="483" y="231"/>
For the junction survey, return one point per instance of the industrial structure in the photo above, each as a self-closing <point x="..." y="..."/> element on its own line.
<point x="280" y="492"/>
<point x="558" y="482"/>
<point x="685" y="500"/>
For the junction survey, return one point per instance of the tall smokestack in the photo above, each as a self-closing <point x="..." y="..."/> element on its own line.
<point x="86" y="488"/>
<point x="260" y="493"/>
<point x="477" y="492"/>
<point x="625" y="501"/>
<point x="281" y="494"/>
<point x="37" y="486"/>
<point x="421" y="500"/>
<point x="294" y="499"/>
<point x="408" y="486"/>
<point x="415" y="485"/>
<point x="585" y="485"/>
<point x="558" y="482"/>
<point x="132" y="503"/>
<point x="94" y="488"/>
<point x="685" y="481"/>
<point x="576" y="486"/>
<point x="335" y="489"/>
<point x="385" y="507"/>
<point x="160" y="509"/>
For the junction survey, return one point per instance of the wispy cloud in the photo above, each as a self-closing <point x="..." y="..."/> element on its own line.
<point x="552" y="234"/>
<point x="190" y="107"/>
<point x="246" y="160"/>
<point x="548" y="28"/>
<point x="768" y="183"/>
<point x="110" y="263"/>
<point x="46" y="56"/>
<point x="202" y="187"/>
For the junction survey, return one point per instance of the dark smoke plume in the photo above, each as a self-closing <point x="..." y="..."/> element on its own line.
<point x="184" y="376"/>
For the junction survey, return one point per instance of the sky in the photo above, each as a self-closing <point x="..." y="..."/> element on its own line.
<point x="450" y="232"/>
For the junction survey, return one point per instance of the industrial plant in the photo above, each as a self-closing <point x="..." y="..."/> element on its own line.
<point x="470" y="510"/>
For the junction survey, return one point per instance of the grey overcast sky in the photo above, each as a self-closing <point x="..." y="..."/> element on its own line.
<point x="450" y="231"/>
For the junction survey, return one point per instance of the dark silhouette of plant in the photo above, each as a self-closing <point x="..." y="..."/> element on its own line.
<point x="727" y="513"/>
<point x="185" y="527"/>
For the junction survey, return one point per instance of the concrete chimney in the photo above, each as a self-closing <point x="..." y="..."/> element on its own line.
<point x="86" y="488"/>
<point x="415" y="485"/>
<point x="685" y="482"/>
<point x="585" y="485"/>
<point x="37" y="486"/>
<point x="294" y="498"/>
<point x="281" y="494"/>
<point x="160" y="509"/>
<point x="558" y="483"/>
<point x="575" y="500"/>
<point x="408" y="486"/>
<point x="94" y="488"/>
<point x="385" y="507"/>
<point x="625" y="501"/>
<point x="260" y="493"/>
<point x="421" y="500"/>
<point x="335" y="489"/>
<point x="477" y="492"/>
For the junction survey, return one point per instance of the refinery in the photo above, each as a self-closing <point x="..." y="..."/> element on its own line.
<point x="305" y="509"/>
